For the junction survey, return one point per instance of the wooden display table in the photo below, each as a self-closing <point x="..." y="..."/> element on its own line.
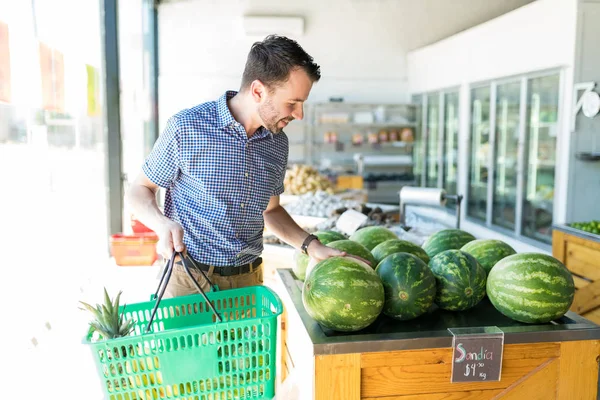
<point x="412" y="360"/>
<point x="580" y="252"/>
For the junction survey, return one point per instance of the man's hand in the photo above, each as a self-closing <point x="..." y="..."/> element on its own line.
<point x="319" y="252"/>
<point x="170" y="237"/>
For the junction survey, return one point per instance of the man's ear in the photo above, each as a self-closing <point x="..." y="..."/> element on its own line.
<point x="258" y="91"/>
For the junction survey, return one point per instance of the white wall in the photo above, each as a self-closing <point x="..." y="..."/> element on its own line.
<point x="536" y="37"/>
<point x="203" y="49"/>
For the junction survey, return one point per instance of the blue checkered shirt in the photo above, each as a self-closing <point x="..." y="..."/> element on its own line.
<point x="218" y="181"/>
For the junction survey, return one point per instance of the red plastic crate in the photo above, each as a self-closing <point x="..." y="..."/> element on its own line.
<point x="138" y="227"/>
<point x="136" y="249"/>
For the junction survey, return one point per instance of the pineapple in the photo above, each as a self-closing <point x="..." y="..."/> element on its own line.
<point x="108" y="322"/>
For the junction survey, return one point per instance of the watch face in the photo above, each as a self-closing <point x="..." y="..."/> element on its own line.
<point x="591" y="104"/>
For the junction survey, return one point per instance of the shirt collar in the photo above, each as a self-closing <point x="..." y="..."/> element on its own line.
<point x="226" y="119"/>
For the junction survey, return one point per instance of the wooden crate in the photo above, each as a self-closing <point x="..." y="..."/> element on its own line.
<point x="582" y="258"/>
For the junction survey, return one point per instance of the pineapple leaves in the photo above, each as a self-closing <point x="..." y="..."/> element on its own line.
<point x="109" y="321"/>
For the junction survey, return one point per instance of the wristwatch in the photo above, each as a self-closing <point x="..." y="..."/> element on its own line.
<point x="307" y="241"/>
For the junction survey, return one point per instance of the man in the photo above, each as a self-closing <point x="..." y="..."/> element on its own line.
<point x="222" y="164"/>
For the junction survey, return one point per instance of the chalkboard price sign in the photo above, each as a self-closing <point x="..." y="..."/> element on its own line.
<point x="477" y="354"/>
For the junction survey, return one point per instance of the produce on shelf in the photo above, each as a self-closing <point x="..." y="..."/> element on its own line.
<point x="301" y="259"/>
<point x="591" y="226"/>
<point x="302" y="179"/>
<point x="319" y="204"/>
<point x="446" y="239"/>
<point x="409" y="286"/>
<point x="392" y="246"/>
<point x="343" y="294"/>
<point x="355" y="249"/>
<point x="531" y="287"/>
<point x="488" y="252"/>
<point x="108" y="322"/>
<point x="371" y="236"/>
<point x="459" y="278"/>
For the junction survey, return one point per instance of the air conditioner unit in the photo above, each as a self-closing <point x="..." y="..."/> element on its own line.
<point x="266" y="25"/>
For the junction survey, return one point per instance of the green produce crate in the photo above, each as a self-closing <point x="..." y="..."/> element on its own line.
<point x="188" y="354"/>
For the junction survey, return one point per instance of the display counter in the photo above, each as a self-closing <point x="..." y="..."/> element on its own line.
<point x="413" y="359"/>
<point x="580" y="252"/>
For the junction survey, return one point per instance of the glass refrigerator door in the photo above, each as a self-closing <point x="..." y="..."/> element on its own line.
<point x="433" y="108"/>
<point x="418" y="151"/>
<point x="542" y="129"/>
<point x="450" y="155"/>
<point x="507" y="149"/>
<point x="480" y="153"/>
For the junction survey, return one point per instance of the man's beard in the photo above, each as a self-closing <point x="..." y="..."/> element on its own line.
<point x="269" y="116"/>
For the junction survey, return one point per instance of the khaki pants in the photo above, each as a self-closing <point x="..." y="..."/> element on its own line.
<point x="180" y="283"/>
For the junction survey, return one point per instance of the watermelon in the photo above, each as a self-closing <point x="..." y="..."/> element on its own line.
<point x="409" y="286"/>
<point x="371" y="236"/>
<point x="459" y="278"/>
<point x="447" y="239"/>
<point x="301" y="259"/>
<point x="343" y="294"/>
<point x="531" y="288"/>
<point x="354" y="249"/>
<point x="488" y="252"/>
<point x="382" y="250"/>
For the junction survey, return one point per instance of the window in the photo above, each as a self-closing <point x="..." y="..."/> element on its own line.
<point x="450" y="152"/>
<point x="540" y="164"/>
<point x="480" y="153"/>
<point x="507" y="154"/>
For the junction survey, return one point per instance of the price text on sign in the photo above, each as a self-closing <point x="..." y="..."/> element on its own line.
<point x="477" y="354"/>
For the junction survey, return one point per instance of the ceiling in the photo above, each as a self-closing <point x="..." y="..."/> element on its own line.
<point x="437" y="19"/>
<point x="417" y="22"/>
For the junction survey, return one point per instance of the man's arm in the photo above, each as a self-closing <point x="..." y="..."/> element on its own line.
<point x="141" y="196"/>
<point x="278" y="221"/>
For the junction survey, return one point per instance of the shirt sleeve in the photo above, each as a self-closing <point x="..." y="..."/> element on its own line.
<point x="162" y="164"/>
<point x="279" y="188"/>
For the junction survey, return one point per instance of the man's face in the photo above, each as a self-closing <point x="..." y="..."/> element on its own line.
<point x="285" y="102"/>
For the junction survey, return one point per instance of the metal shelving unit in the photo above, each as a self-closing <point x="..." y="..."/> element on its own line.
<point x="375" y="141"/>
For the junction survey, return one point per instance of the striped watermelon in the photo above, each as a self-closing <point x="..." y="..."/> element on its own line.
<point x="409" y="286"/>
<point x="531" y="288"/>
<point x="488" y="251"/>
<point x="447" y="239"/>
<point x="354" y="249"/>
<point x="343" y="294"/>
<point x="382" y="250"/>
<point x="459" y="278"/>
<point x="371" y="236"/>
<point x="301" y="259"/>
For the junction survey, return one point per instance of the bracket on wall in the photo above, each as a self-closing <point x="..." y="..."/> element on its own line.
<point x="578" y="101"/>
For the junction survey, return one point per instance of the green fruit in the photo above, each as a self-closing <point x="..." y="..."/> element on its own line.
<point x="354" y="249"/>
<point x="301" y="259"/>
<point x="488" y="252"/>
<point x="531" y="288"/>
<point x="459" y="278"/>
<point x="371" y="236"/>
<point x="382" y="250"/>
<point x="409" y="286"/>
<point x="447" y="239"/>
<point x="343" y="294"/>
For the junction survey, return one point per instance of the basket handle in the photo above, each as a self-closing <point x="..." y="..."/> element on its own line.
<point x="162" y="285"/>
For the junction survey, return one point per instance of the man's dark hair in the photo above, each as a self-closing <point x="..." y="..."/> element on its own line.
<point x="272" y="60"/>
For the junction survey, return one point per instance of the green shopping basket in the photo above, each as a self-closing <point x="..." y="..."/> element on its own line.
<point x="219" y="345"/>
